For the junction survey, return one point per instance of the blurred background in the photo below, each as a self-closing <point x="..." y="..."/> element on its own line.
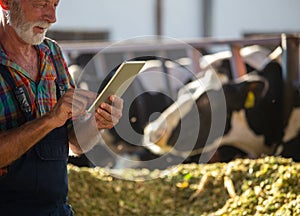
<point x="234" y="37"/>
<point x="119" y="20"/>
<point x="182" y="38"/>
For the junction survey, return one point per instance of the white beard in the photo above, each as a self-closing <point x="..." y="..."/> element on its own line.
<point x="25" y="32"/>
<point x="24" y="29"/>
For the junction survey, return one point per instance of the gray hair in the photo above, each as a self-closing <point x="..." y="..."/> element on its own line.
<point x="15" y="11"/>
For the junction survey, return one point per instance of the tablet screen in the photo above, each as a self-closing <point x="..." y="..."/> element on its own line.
<point x="119" y="82"/>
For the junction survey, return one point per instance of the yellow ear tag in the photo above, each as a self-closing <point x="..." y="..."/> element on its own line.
<point x="182" y="185"/>
<point x="250" y="100"/>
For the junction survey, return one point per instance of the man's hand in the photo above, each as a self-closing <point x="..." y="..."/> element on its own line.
<point x="74" y="102"/>
<point x="71" y="105"/>
<point x="108" y="115"/>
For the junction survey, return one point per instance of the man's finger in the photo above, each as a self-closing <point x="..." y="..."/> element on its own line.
<point x="116" y="101"/>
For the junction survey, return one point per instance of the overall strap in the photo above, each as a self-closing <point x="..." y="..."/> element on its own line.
<point x="20" y="93"/>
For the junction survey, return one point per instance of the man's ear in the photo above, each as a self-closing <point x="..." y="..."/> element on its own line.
<point x="4" y="4"/>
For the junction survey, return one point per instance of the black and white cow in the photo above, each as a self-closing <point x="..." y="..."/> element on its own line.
<point x="253" y="107"/>
<point x="253" y="124"/>
<point x="147" y="103"/>
<point x="144" y="105"/>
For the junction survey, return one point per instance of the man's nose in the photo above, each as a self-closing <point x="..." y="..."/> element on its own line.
<point x="50" y="14"/>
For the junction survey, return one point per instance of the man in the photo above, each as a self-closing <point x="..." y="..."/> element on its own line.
<point x="38" y="101"/>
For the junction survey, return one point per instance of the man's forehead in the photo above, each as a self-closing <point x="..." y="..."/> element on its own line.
<point x="46" y="1"/>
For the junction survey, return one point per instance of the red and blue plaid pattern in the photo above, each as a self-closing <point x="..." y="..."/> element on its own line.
<point x="42" y="93"/>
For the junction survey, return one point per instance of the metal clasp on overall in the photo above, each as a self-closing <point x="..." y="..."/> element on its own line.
<point x="23" y="99"/>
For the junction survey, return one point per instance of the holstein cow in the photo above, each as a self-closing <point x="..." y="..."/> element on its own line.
<point x="153" y="100"/>
<point x="253" y="124"/>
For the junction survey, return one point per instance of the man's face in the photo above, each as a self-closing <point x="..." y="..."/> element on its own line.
<point x="31" y="32"/>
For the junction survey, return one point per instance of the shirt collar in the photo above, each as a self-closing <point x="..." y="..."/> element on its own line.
<point x="2" y="53"/>
<point x="44" y="48"/>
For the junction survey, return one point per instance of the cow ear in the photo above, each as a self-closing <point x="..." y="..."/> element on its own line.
<point x="253" y="91"/>
<point x="245" y="92"/>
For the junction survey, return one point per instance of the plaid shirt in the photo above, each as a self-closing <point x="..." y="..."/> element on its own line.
<point x="42" y="93"/>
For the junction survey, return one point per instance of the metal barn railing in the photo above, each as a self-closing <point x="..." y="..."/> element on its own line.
<point x="190" y="48"/>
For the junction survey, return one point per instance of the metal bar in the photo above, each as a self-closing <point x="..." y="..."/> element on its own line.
<point x="94" y="47"/>
<point x="195" y="56"/>
<point x="158" y="17"/>
<point x="290" y="72"/>
<point x="237" y="64"/>
<point x="207" y="17"/>
<point x="208" y="42"/>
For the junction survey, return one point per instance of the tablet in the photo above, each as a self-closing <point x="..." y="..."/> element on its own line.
<point x="119" y="82"/>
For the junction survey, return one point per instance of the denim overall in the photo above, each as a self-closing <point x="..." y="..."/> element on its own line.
<point x="36" y="184"/>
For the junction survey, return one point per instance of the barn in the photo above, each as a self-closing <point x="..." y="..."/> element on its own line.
<point x="258" y="79"/>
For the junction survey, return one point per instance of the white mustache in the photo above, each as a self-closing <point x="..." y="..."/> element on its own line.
<point x="42" y="24"/>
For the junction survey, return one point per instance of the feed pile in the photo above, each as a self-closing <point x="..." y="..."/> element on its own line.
<point x="266" y="186"/>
